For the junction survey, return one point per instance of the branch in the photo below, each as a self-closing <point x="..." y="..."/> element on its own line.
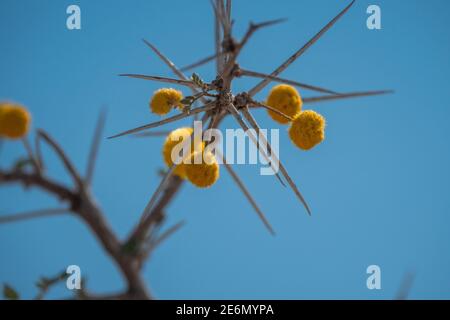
<point x="346" y="96"/>
<point x="186" y="83"/>
<point x="235" y="113"/>
<point x="286" y="175"/>
<point x="180" y="116"/>
<point x="152" y="134"/>
<point x="241" y="72"/>
<point x="30" y="153"/>
<point x="255" y="27"/>
<point x="169" y="232"/>
<point x="259" y="104"/>
<point x="36" y="180"/>
<point x="32" y="215"/>
<point x="95" y="146"/>
<point x="297" y="54"/>
<point x="173" y="67"/>
<point x="62" y="155"/>
<point x="247" y="194"/>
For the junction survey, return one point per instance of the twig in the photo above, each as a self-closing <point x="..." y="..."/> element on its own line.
<point x="251" y="30"/>
<point x="186" y="83"/>
<point x="283" y="170"/>
<point x="259" y="104"/>
<point x="255" y="27"/>
<point x="235" y="113"/>
<point x="202" y="61"/>
<point x="405" y="287"/>
<point x="297" y="54"/>
<point x="242" y="72"/>
<point x="95" y="146"/>
<point x="151" y="134"/>
<point x="180" y="116"/>
<point x="346" y="96"/>
<point x="147" y="211"/>
<point x="32" y="215"/>
<point x="35" y="162"/>
<point x="62" y="155"/>
<point x="39" y="158"/>
<point x="247" y="194"/>
<point x="169" y="232"/>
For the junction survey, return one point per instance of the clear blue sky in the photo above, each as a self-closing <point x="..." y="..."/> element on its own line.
<point x="378" y="186"/>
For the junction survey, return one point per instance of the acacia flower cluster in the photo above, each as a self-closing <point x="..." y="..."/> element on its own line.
<point x="307" y="127"/>
<point x="14" y="120"/>
<point x="286" y="99"/>
<point x="164" y="100"/>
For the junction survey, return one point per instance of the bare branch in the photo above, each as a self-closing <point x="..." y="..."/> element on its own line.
<point x="259" y="104"/>
<point x="346" y="96"/>
<point x="254" y="74"/>
<point x="202" y="61"/>
<point x="255" y="140"/>
<point x="44" y="284"/>
<point x="34" y="179"/>
<point x="251" y="30"/>
<point x="39" y="158"/>
<point x="95" y="146"/>
<point x="217" y="40"/>
<point x="32" y="215"/>
<point x="30" y="153"/>
<point x="405" y="287"/>
<point x="174" y="68"/>
<point x="247" y="194"/>
<point x="166" y="60"/>
<point x="152" y="134"/>
<point x="167" y="120"/>
<point x="169" y="232"/>
<point x="228" y="9"/>
<point x="297" y="54"/>
<point x="286" y="175"/>
<point x="62" y="155"/>
<point x="147" y="211"/>
<point x="255" y="27"/>
<point x="186" y="83"/>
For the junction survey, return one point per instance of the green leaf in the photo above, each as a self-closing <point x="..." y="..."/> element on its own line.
<point x="197" y="80"/>
<point x="187" y="101"/>
<point x="22" y="163"/>
<point x="9" y="293"/>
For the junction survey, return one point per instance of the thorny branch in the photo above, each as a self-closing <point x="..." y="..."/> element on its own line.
<point x="129" y="255"/>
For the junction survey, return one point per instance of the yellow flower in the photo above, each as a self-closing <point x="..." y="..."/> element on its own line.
<point x="286" y="99"/>
<point x="164" y="100"/>
<point x="204" y="174"/>
<point x="174" y="138"/>
<point x="307" y="129"/>
<point x="14" y="121"/>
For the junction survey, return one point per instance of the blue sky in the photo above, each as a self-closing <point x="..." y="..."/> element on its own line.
<point x="378" y="186"/>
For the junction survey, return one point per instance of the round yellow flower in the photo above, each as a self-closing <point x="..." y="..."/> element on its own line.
<point x="14" y="121"/>
<point x="286" y="99"/>
<point x="174" y="138"/>
<point x="307" y="129"/>
<point x="164" y="100"/>
<point x="204" y="174"/>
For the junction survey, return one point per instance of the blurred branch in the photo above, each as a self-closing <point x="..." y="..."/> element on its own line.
<point x="62" y="155"/>
<point x="95" y="146"/>
<point x="32" y="215"/>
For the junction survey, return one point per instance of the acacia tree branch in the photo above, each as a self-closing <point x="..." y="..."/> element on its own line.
<point x="95" y="146"/>
<point x="62" y="155"/>
<point x="32" y="215"/>
<point x="299" y="52"/>
<point x="83" y="205"/>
